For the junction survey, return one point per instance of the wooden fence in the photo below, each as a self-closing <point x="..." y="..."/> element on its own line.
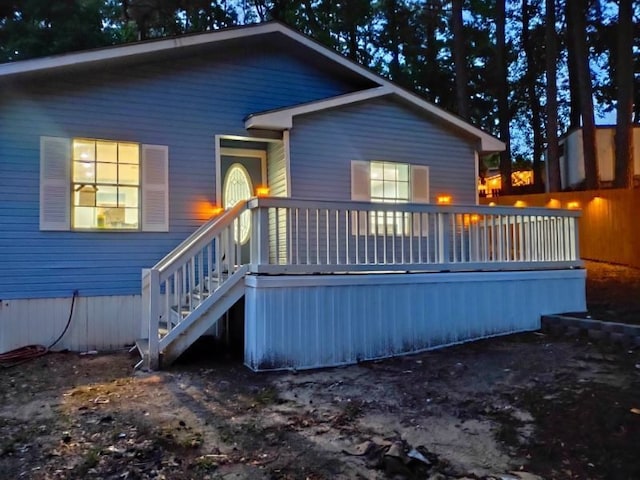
<point x="609" y="229"/>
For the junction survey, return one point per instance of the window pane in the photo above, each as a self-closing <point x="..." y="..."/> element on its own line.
<point x="376" y="170"/>
<point x="129" y="153"/>
<point x="107" y="173"/>
<point x="128" y="197"/>
<point x="84" y="172"/>
<point x="107" y="196"/>
<point x="403" y="172"/>
<point x="377" y="190"/>
<point x="403" y="190"/>
<point x="389" y="190"/>
<point x="131" y="218"/>
<point x="390" y="171"/>
<point x="84" y="196"/>
<point x="107" y="152"/>
<point x="128" y="174"/>
<point x="84" y="150"/>
<point x="84" y="217"/>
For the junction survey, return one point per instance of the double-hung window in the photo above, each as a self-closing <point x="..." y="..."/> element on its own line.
<point x="94" y="184"/>
<point x="106" y="185"/>
<point x="389" y="182"/>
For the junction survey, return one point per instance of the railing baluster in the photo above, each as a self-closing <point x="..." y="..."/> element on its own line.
<point x="337" y="235"/>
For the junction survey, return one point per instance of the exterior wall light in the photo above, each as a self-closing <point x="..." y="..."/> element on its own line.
<point x="262" y="191"/>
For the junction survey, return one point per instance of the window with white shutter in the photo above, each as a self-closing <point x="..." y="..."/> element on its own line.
<point x="90" y="184"/>
<point x="389" y="182"/>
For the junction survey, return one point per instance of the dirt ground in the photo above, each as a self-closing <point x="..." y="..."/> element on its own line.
<point x="613" y="292"/>
<point x="526" y="406"/>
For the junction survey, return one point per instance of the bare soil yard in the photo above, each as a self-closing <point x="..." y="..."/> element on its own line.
<point x="526" y="406"/>
<point x="613" y="292"/>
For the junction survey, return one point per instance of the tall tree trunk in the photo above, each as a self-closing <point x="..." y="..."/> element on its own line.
<point x="572" y="64"/>
<point x="576" y="16"/>
<point x="530" y="82"/>
<point x="459" y="60"/>
<point x="503" y="99"/>
<point x="624" y="79"/>
<point x="551" y="56"/>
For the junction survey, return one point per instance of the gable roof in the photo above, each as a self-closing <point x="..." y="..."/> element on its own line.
<point x="486" y="142"/>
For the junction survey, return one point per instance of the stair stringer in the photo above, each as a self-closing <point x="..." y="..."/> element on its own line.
<point x="203" y="317"/>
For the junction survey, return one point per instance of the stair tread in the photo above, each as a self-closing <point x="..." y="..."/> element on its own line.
<point x="142" y="344"/>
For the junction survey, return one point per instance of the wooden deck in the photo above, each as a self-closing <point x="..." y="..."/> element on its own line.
<point x="313" y="239"/>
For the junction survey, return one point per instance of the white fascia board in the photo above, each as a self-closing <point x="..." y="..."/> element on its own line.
<point x="129" y="50"/>
<point x="488" y="143"/>
<point x="283" y="119"/>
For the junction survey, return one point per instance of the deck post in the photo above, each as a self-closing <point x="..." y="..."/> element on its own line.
<point x="259" y="237"/>
<point x="153" y="360"/>
<point x="444" y="237"/>
<point x="144" y="319"/>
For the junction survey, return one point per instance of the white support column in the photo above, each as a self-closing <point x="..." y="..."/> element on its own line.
<point x="153" y="360"/>
<point x="260" y="238"/>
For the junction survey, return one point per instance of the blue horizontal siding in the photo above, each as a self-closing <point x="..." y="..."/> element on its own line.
<point x="182" y="103"/>
<point x="324" y="144"/>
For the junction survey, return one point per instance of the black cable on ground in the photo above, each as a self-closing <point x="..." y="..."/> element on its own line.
<point x="24" y="354"/>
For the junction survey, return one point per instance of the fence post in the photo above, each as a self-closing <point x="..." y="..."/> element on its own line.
<point x="153" y="361"/>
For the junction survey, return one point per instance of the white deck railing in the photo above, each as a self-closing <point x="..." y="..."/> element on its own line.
<point x="301" y="236"/>
<point x="307" y="237"/>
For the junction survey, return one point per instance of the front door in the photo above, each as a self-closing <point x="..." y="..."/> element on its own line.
<point x="242" y="171"/>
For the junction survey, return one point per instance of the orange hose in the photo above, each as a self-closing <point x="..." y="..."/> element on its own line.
<point x="21" y="355"/>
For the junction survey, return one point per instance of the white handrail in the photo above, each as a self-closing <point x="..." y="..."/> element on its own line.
<point x="176" y="289"/>
<point x="203" y="234"/>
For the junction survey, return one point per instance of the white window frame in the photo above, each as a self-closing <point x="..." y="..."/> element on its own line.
<point x="389" y="223"/>
<point x="95" y="183"/>
<point x="56" y="187"/>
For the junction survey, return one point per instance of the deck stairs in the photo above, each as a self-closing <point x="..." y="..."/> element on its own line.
<point x="187" y="293"/>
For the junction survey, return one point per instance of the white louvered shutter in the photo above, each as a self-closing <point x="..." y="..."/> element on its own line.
<point x="55" y="183"/>
<point x="360" y="183"/>
<point x="360" y="192"/>
<point x="420" y="194"/>
<point x="155" y="188"/>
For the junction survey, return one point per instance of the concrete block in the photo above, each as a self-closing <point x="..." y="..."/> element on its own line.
<point x="619" y="338"/>
<point x="573" y="331"/>
<point x="613" y="327"/>
<point x="558" y="329"/>
<point x="597" y="334"/>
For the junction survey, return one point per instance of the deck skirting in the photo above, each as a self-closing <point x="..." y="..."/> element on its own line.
<point x="309" y="321"/>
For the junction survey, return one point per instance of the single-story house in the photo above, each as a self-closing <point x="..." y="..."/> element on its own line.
<point x="147" y="188"/>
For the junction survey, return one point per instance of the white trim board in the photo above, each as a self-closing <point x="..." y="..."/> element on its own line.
<point x="293" y="281"/>
<point x="487" y="143"/>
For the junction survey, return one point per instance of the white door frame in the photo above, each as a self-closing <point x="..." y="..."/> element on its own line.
<point x="239" y="152"/>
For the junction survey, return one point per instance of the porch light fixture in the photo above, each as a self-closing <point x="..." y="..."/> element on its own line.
<point x="520" y="204"/>
<point x="262" y="191"/>
<point x="444" y="199"/>
<point x="573" y="205"/>
<point x="492" y="204"/>
<point x="216" y="210"/>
